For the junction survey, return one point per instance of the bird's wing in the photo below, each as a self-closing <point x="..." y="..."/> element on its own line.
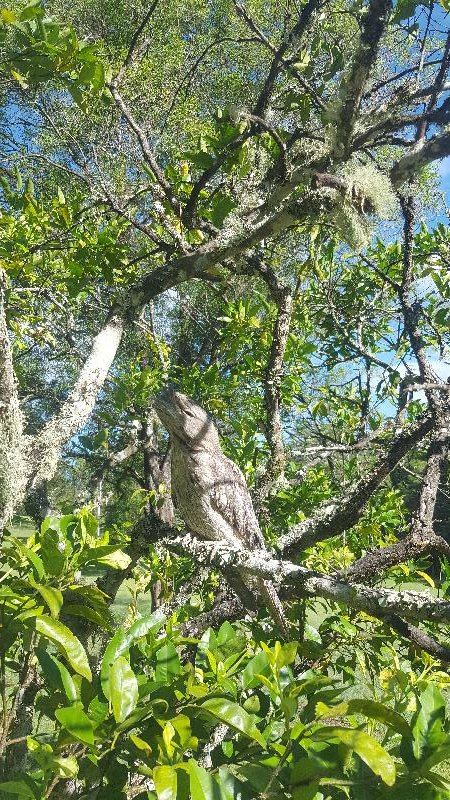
<point x="230" y="497"/>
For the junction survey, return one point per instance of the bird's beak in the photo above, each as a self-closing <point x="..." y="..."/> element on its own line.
<point x="164" y="405"/>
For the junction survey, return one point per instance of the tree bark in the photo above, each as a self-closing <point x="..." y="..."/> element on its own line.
<point x="12" y="463"/>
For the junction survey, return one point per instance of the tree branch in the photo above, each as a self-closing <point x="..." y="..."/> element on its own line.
<point x="12" y="468"/>
<point x="419" y="638"/>
<point x="433" y="149"/>
<point x="272" y="386"/>
<point x="147" y="152"/>
<point x="436" y="88"/>
<point x="132" y="50"/>
<point x="341" y="515"/>
<point x="224" y="609"/>
<point x="373" y="25"/>
<point x="308" y="583"/>
<point x="44" y="450"/>
<point x="422" y="539"/>
<point x="286" y="64"/>
<point x="411" y="310"/>
<point x="294" y="37"/>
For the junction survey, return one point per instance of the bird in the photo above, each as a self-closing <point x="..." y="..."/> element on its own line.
<point x="211" y="494"/>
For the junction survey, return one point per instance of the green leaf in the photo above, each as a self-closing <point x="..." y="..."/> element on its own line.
<point x="101" y="437"/>
<point x="78" y="97"/>
<point x="52" y="597"/>
<point x="59" y="766"/>
<point x="231" y="788"/>
<point x="101" y="618"/>
<point x="405" y="9"/>
<point x="439" y="755"/>
<point x="202" y="784"/>
<point x="8" y="16"/>
<point x="29" y="185"/>
<point x="307" y="769"/>
<point x="21" y="80"/>
<point x="117" y="559"/>
<point x="123" y="689"/>
<point x="367" y="748"/>
<point x="141" y="744"/>
<point x="122" y="641"/>
<point x="221" y="206"/>
<point x="233" y="715"/>
<point x="252" y="704"/>
<point x="258" y="665"/>
<point x="54" y="550"/>
<point x="32" y="10"/>
<point x="440" y="783"/>
<point x="93" y="74"/>
<point x="309" y="792"/>
<point x="77" y="722"/>
<point x="226" y="634"/>
<point x="98" y="711"/>
<point x="167" y="663"/>
<point x="57" y="675"/>
<point x="427" y="723"/>
<point x="70" y="646"/>
<point x="33" y="558"/>
<point x="372" y="710"/>
<point x="200" y="159"/>
<point x="65" y="767"/>
<point x="19" y="788"/>
<point x="165" y="779"/>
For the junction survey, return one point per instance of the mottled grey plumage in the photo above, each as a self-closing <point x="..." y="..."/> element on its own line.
<point x="210" y="491"/>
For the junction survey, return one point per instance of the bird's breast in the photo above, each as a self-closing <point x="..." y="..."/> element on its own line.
<point x="193" y="485"/>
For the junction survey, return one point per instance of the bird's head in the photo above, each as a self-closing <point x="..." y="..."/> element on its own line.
<point x="186" y="420"/>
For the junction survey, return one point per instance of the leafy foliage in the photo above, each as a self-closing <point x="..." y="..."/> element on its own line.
<point x="206" y="195"/>
<point x="282" y="728"/>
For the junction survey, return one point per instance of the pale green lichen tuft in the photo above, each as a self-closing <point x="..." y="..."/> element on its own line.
<point x="375" y="185"/>
<point x="353" y="227"/>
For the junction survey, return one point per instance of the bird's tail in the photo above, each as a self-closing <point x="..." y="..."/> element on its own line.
<point x="274" y="605"/>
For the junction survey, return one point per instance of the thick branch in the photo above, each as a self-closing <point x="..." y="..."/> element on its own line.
<point x="343" y="514"/>
<point x="45" y="449"/>
<point x="373" y="25"/>
<point x="422" y="539"/>
<point x="418" y="638"/>
<point x="422" y="526"/>
<point x="433" y="149"/>
<point x="12" y="472"/>
<point x="374" y="563"/>
<point x="225" y="609"/>
<point x="307" y="583"/>
<point x="230" y="609"/>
